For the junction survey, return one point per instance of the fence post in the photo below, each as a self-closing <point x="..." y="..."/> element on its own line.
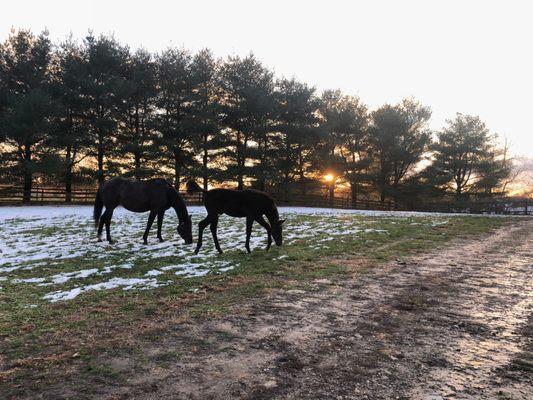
<point x="525" y="208"/>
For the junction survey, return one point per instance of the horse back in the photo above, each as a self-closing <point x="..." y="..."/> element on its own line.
<point x="238" y="203"/>
<point x="136" y="196"/>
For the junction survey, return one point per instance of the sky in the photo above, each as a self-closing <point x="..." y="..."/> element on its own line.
<point x="469" y="56"/>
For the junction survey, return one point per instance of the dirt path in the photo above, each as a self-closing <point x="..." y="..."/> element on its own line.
<point x="441" y="325"/>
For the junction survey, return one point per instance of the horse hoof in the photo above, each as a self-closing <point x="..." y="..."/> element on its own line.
<point x="161" y="240"/>
<point x="111" y="241"/>
<point x="99" y="240"/>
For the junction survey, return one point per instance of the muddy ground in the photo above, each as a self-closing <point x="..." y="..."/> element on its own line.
<point x="451" y="324"/>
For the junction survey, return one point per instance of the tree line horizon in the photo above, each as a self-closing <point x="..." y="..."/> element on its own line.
<point x="74" y="113"/>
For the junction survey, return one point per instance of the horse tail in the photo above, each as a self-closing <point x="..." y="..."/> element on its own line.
<point x="98" y="205"/>
<point x="193" y="187"/>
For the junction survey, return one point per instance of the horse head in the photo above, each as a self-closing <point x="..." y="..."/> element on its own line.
<point x="185" y="229"/>
<point x="276" y="227"/>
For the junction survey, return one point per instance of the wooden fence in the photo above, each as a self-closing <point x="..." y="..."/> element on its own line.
<point x="317" y="200"/>
<point x="51" y="195"/>
<point x="509" y="206"/>
<point x="55" y="195"/>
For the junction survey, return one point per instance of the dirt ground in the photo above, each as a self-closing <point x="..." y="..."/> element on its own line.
<point x="443" y="325"/>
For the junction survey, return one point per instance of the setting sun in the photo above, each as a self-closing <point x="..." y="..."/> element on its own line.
<point x="329" y="178"/>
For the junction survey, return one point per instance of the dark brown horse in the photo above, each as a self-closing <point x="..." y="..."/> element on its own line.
<point x="154" y="195"/>
<point x="251" y="204"/>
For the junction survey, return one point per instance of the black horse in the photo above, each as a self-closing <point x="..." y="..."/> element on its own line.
<point x="251" y="204"/>
<point x="154" y="195"/>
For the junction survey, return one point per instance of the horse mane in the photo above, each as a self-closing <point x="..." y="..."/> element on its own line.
<point x="274" y="216"/>
<point x="177" y="201"/>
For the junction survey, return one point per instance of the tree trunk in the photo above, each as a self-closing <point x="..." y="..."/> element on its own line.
<point x="301" y="169"/>
<point x="286" y="172"/>
<point x="458" y="191"/>
<point x="137" y="152"/>
<point x="395" y="193"/>
<point x="353" y="189"/>
<point x="241" y="160"/>
<point x="68" y="175"/>
<point x="205" y="159"/>
<point x="177" y="170"/>
<point x="137" y="161"/>
<point x="240" y="179"/>
<point x="382" y="185"/>
<point x="100" y="159"/>
<point x="26" y="197"/>
<point x="262" y="167"/>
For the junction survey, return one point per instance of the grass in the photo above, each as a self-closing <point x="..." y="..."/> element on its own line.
<point x="38" y="337"/>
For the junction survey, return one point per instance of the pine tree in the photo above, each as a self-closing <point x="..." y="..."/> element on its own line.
<point x="345" y="121"/>
<point x="296" y="120"/>
<point x="105" y="90"/>
<point x="399" y="138"/>
<point x="3" y="96"/>
<point x="247" y="104"/>
<point x="3" y="109"/>
<point x="174" y="120"/>
<point x="70" y="127"/>
<point x="205" y="111"/>
<point x="466" y="157"/>
<point x="136" y="134"/>
<point x="26" y="109"/>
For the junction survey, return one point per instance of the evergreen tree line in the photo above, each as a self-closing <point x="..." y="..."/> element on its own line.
<point x="74" y="113"/>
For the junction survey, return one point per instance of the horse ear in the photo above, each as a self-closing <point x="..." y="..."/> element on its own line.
<point x="281" y="221"/>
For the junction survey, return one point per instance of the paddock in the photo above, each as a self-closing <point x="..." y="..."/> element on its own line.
<point x="355" y="283"/>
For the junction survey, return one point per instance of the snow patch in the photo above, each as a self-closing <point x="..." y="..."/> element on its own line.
<point x="32" y="237"/>
<point x="126" y="284"/>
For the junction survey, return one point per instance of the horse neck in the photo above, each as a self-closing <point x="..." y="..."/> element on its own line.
<point x="179" y="206"/>
<point x="272" y="215"/>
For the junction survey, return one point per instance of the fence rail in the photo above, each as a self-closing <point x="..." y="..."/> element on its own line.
<point x="54" y="195"/>
<point x="50" y="195"/>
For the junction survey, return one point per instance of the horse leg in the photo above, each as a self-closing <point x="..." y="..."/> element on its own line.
<point x="108" y="225"/>
<point x="201" y="226"/>
<point x="159" y="225"/>
<point x="261" y="221"/>
<point x="103" y="218"/>
<point x="249" y="223"/>
<point x="151" y="218"/>
<point x="214" y="225"/>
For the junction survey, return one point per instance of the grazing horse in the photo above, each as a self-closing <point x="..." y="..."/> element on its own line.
<point x="154" y="195"/>
<point x="251" y="204"/>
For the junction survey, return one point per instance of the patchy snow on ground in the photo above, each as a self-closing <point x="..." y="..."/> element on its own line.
<point x="126" y="284"/>
<point x="62" y="239"/>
